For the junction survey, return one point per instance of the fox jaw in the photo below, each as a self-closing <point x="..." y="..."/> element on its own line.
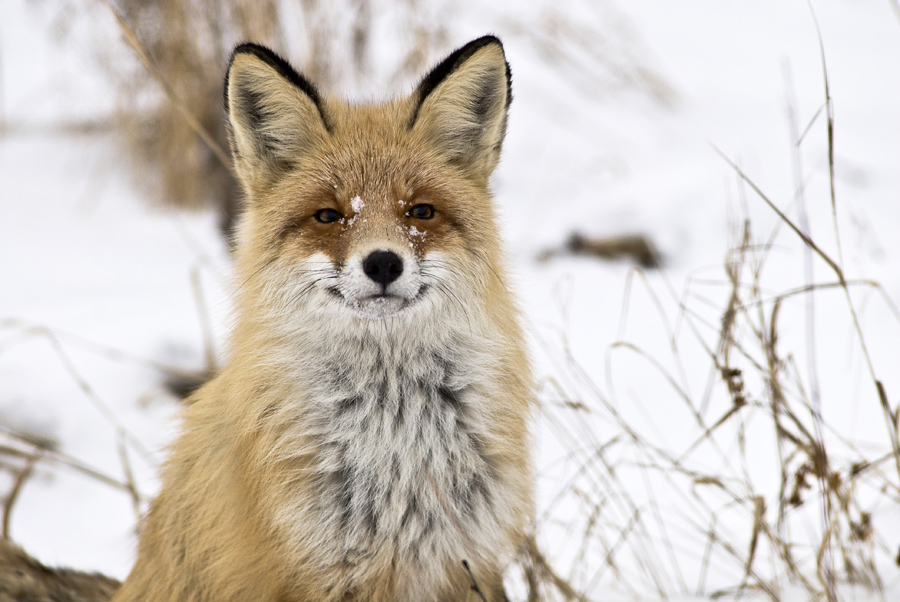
<point x="372" y="214"/>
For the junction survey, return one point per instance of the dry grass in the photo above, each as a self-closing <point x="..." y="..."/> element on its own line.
<point x="747" y="487"/>
<point x="649" y="515"/>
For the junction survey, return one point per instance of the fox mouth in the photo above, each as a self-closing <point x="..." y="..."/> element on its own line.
<point x="378" y="306"/>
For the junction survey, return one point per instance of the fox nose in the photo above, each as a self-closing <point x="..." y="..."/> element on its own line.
<point x="383" y="267"/>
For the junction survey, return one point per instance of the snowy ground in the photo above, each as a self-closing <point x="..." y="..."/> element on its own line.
<point x="97" y="294"/>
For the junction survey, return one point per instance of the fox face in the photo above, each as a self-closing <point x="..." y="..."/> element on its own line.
<point x="368" y="211"/>
<point x="375" y="248"/>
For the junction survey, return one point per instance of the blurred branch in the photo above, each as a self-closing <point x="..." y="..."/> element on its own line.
<point x="145" y="58"/>
<point x="78" y="126"/>
<point x="58" y="457"/>
<point x="895" y="4"/>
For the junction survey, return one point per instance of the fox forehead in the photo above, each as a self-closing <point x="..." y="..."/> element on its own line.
<point x="370" y="152"/>
<point x="365" y="177"/>
<point x="371" y="163"/>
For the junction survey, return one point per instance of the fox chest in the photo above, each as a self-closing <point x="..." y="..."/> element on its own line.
<point x="401" y="469"/>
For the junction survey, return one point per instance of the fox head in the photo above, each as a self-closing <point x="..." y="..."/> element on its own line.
<point x="368" y="212"/>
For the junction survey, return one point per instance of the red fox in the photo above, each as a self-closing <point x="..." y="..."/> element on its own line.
<point x="368" y="438"/>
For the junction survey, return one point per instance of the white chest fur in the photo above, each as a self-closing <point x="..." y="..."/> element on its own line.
<point x="400" y="472"/>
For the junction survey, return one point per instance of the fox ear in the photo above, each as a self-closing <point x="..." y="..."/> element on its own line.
<point x="274" y="113"/>
<point x="461" y="106"/>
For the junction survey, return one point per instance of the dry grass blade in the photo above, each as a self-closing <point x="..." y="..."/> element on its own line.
<point x="815" y="117"/>
<point x="758" y="521"/>
<point x="89" y="392"/>
<point x="58" y="457"/>
<point x="13" y="494"/>
<point x="829" y="113"/>
<point x="806" y="239"/>
<point x="29" y="329"/>
<point x="129" y="477"/>
<point x="895" y="4"/>
<point x="544" y="572"/>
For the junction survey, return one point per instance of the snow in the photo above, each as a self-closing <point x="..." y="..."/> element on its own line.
<point x="356" y="204"/>
<point x="99" y="292"/>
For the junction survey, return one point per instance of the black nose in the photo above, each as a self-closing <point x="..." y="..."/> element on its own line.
<point x="383" y="267"/>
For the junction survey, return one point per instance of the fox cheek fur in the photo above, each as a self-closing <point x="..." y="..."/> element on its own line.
<point x="369" y="430"/>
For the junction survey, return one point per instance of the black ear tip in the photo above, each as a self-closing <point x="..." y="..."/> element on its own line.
<point x="484" y="41"/>
<point x="268" y="56"/>
<point x="466" y="50"/>
<point x="262" y="52"/>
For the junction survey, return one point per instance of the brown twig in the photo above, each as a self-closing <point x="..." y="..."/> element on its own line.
<point x="10" y="500"/>
<point x="543" y="568"/>
<point x="129" y="476"/>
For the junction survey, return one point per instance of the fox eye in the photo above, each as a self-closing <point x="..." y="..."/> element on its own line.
<point x="421" y="211"/>
<point x="327" y="216"/>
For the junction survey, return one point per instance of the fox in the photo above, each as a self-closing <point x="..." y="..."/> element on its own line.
<point x="368" y="436"/>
